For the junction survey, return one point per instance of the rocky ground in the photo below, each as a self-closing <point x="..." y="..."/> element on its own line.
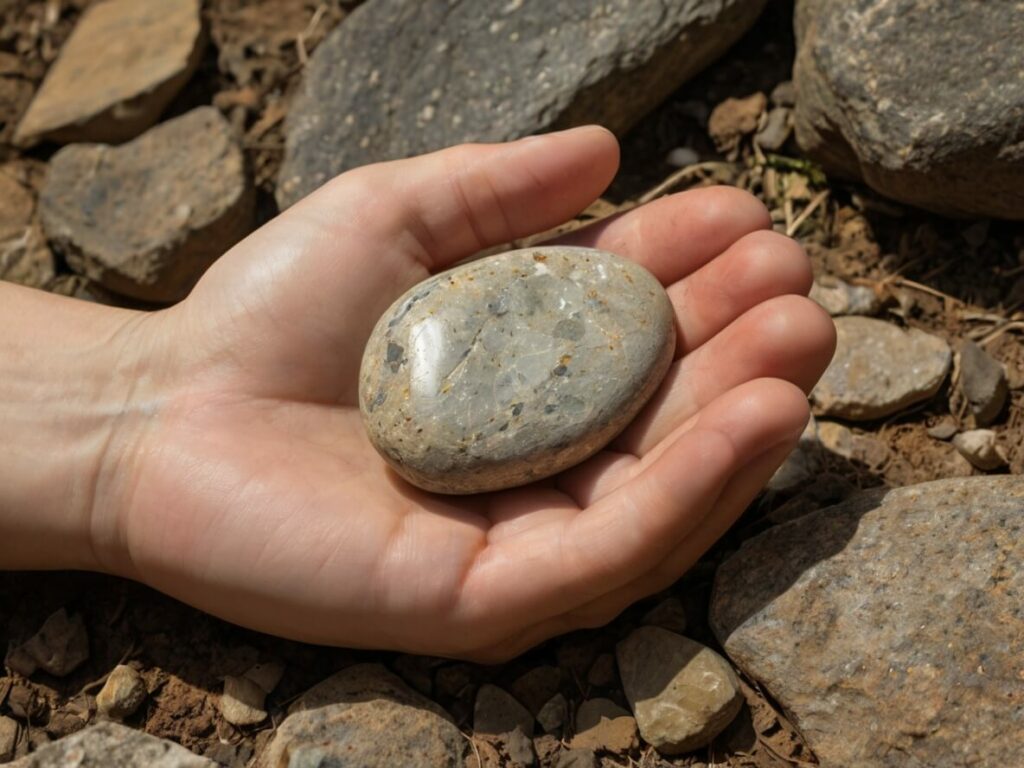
<point x="856" y="625"/>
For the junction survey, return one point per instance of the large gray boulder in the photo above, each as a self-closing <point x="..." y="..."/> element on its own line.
<point x="891" y="626"/>
<point x="922" y="100"/>
<point x="403" y="77"/>
<point x="111" y="745"/>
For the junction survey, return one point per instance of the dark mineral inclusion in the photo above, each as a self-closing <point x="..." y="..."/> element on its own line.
<point x="514" y="367"/>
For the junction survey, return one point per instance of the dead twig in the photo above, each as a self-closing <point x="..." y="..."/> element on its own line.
<point x="304" y="35"/>
<point x="680" y="176"/>
<point x="791" y="229"/>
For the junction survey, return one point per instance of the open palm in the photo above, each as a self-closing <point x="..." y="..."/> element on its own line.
<point x="253" y="493"/>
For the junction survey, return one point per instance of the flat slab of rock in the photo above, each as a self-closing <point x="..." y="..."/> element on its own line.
<point x="682" y="693"/>
<point x="403" y="77"/>
<point x="145" y="219"/>
<point x="890" y="626"/>
<point x="514" y="367"/>
<point x="365" y="717"/>
<point x="111" y="745"/>
<point x="879" y="369"/>
<point x="923" y="101"/>
<point x="124" y="62"/>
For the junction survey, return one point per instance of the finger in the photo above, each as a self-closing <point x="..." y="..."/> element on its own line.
<point x="330" y="265"/>
<point x="613" y="542"/>
<point x="736" y="497"/>
<point x="789" y="337"/>
<point x="757" y="267"/>
<point x="675" y="235"/>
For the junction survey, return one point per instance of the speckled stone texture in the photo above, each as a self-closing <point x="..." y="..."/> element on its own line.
<point x="923" y="100"/>
<point x="402" y="77"/>
<point x="145" y="219"/>
<point x="879" y="369"/>
<point x="110" y="745"/>
<point x="890" y="627"/>
<point x="514" y="367"/>
<point x="364" y="717"/>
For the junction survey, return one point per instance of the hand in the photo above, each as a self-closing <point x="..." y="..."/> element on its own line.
<point x="240" y="479"/>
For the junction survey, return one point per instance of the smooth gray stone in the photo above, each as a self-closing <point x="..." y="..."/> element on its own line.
<point x="514" y="367"/>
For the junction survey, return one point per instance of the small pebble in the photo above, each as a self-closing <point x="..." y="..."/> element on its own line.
<point x="514" y="367"/>
<point x="682" y="693"/>
<point x="242" y="701"/>
<point x="944" y="430"/>
<point x="682" y="157"/>
<point x="840" y="298"/>
<point x="553" y="715"/>
<point x="777" y="127"/>
<point x="122" y="693"/>
<point x="979" y="447"/>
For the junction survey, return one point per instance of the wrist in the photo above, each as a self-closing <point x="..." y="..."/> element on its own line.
<point x="68" y="384"/>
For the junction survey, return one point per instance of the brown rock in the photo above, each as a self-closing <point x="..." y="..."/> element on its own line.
<point x="59" y="646"/>
<point x="122" y="693"/>
<point x="8" y="738"/>
<point x="365" y="717"/>
<point x="602" y="671"/>
<point x="601" y="724"/>
<point x="147" y="218"/>
<point x="979" y="447"/>
<point x="24" y="255"/>
<point x="879" y="369"/>
<point x="889" y="626"/>
<point x="733" y="119"/>
<point x="554" y="714"/>
<point x="124" y="62"/>
<point x="682" y="693"/>
<point x="577" y="758"/>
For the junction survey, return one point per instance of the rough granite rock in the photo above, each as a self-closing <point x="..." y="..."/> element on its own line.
<point x="879" y="369"/>
<point x="983" y="381"/>
<point x="404" y="77"/>
<point x="924" y="101"/>
<point x="682" y="693"/>
<point x="514" y="367"/>
<point x="147" y="218"/>
<point x="364" y="717"/>
<point x="111" y="745"/>
<point x="124" y="62"/>
<point x="890" y="627"/>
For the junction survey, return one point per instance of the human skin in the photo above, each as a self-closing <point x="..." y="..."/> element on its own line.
<point x="214" y="450"/>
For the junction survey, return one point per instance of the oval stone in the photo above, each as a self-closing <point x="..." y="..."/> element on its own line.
<point x="515" y="367"/>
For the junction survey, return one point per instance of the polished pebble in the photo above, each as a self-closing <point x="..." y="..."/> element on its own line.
<point x="514" y="367"/>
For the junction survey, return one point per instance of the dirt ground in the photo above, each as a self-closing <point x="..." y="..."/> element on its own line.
<point x="957" y="279"/>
